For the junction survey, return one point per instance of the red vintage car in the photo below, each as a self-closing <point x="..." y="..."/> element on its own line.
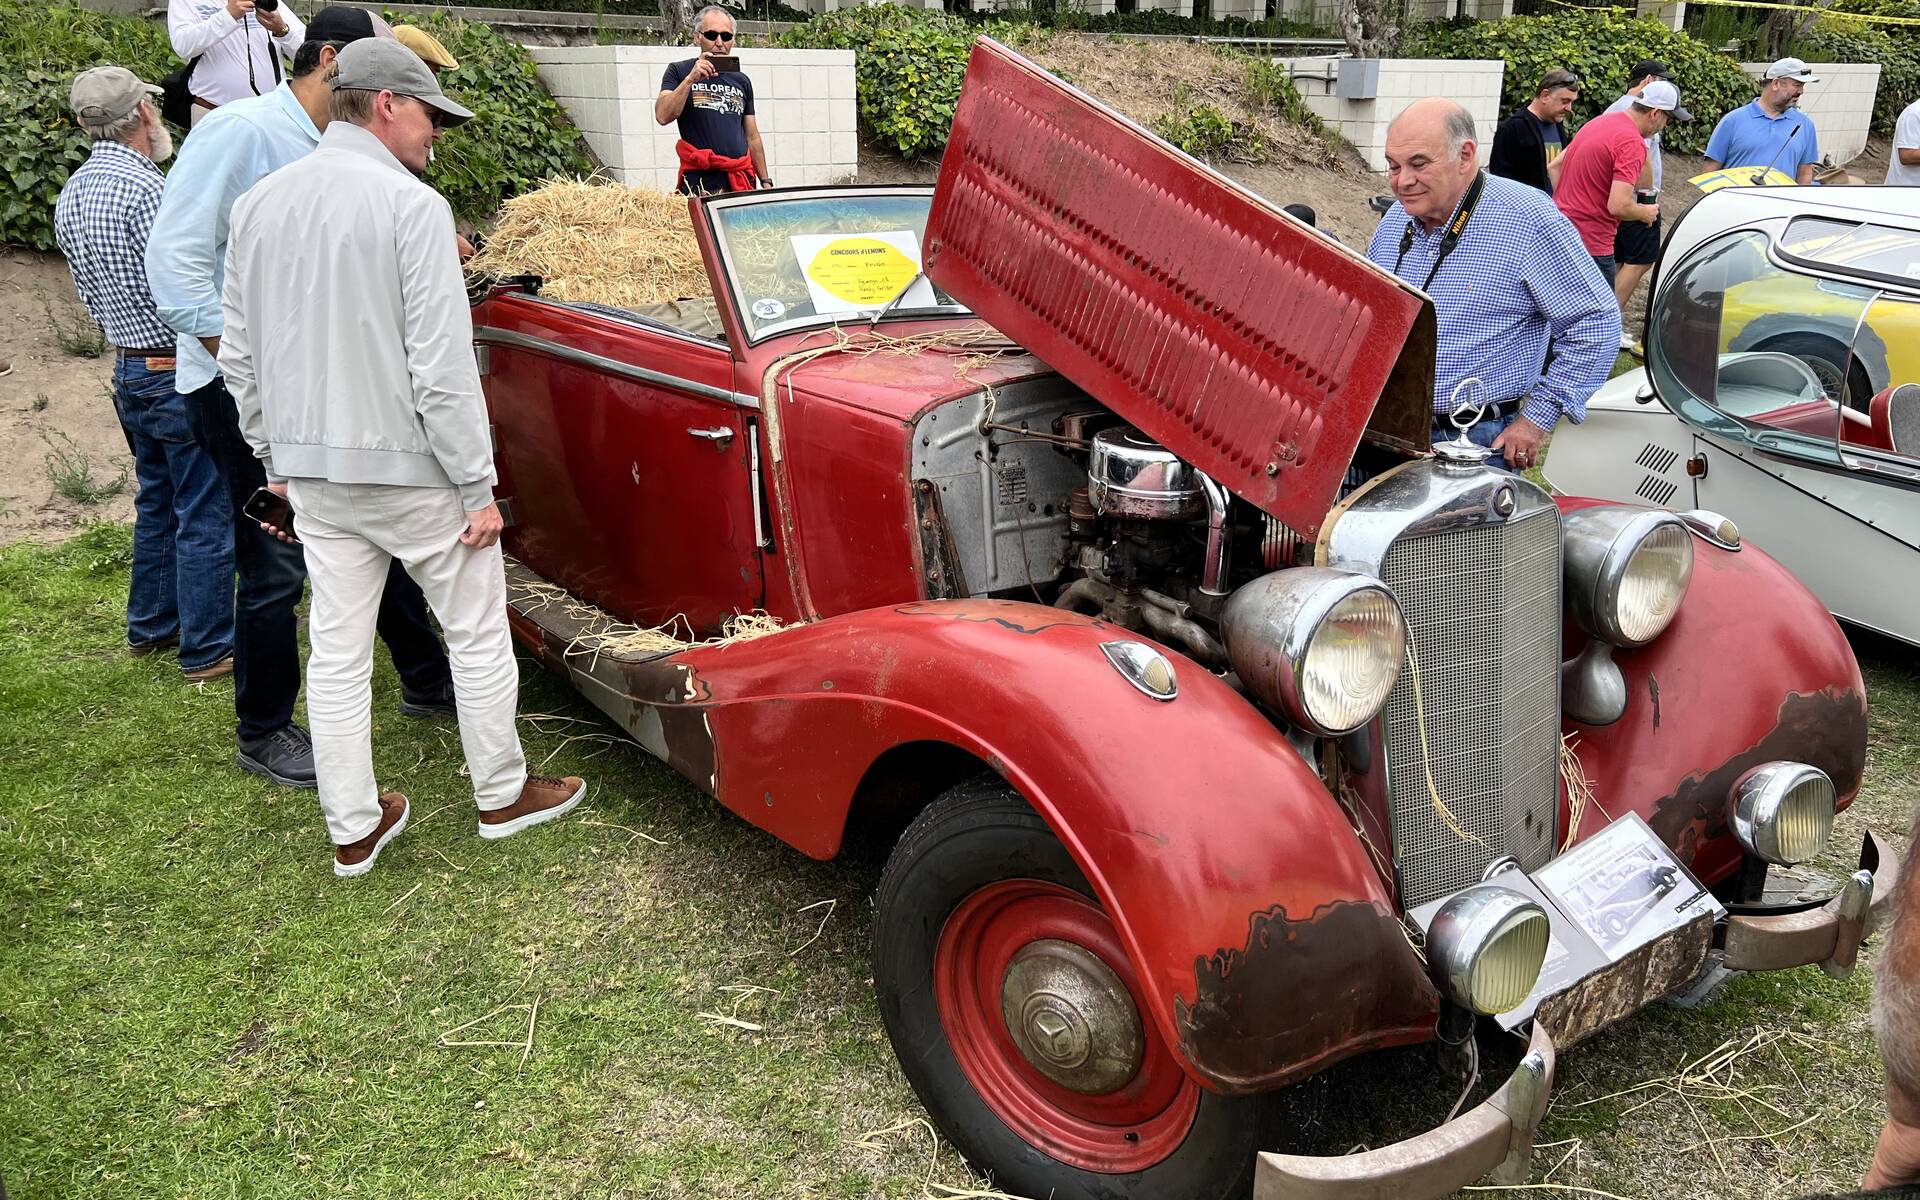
<point x="1217" y="720"/>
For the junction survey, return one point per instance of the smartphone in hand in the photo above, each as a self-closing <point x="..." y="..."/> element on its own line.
<point x="270" y="507"/>
<point x="725" y="62"/>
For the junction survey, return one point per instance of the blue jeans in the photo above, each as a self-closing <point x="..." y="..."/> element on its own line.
<point x="182" y="524"/>
<point x="1482" y="434"/>
<point x="273" y="575"/>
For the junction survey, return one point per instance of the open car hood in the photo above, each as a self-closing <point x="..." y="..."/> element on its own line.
<point x="1237" y="337"/>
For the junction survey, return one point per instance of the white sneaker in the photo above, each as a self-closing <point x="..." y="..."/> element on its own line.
<point x="1627" y="342"/>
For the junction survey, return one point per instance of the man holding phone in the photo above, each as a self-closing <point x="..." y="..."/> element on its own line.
<point x="234" y="47"/>
<point x="712" y="99"/>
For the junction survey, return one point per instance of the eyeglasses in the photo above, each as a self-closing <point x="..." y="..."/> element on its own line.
<point x="716" y="35"/>
<point x="440" y="120"/>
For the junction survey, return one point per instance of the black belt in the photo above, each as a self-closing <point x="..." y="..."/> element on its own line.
<point x="1505" y="408"/>
<point x="125" y="352"/>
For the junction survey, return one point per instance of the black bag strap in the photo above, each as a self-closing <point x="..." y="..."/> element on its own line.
<point x="1449" y="240"/>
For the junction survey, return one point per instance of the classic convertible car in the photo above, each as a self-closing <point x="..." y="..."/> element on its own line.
<point x="1772" y="315"/>
<point x="1203" y="768"/>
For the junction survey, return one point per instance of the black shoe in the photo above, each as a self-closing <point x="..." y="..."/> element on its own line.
<point x="284" y="756"/>
<point x="437" y="703"/>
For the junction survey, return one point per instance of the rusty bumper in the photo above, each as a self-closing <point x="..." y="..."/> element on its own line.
<point x="1496" y="1137"/>
<point x="1829" y="934"/>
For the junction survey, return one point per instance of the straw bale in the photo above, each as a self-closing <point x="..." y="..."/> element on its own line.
<point x="598" y="242"/>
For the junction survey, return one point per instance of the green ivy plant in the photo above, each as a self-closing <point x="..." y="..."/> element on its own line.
<point x="1600" y="46"/>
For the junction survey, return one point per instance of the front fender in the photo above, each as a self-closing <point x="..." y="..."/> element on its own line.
<point x="1752" y="669"/>
<point x="1264" y="938"/>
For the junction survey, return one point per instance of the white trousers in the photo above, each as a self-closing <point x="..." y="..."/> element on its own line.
<point x="350" y="533"/>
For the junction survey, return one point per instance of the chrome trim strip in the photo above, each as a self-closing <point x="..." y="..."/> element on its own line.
<point x="754" y="481"/>
<point x="489" y="335"/>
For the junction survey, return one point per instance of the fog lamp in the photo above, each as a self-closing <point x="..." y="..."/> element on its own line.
<point x="1486" y="946"/>
<point x="1324" y="647"/>
<point x="1783" y="811"/>
<point x="1627" y="570"/>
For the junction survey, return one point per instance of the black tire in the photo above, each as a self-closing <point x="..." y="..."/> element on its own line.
<point x="980" y="833"/>
<point x="1829" y="360"/>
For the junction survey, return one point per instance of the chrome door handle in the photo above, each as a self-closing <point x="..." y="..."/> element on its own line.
<point x="719" y="435"/>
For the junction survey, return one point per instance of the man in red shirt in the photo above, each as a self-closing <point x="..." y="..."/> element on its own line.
<point x="1601" y="168"/>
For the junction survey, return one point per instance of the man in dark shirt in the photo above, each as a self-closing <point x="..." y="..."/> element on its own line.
<point x="1527" y="143"/>
<point x="719" y="145"/>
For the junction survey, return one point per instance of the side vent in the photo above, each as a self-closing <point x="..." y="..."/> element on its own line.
<point x="1656" y="458"/>
<point x="1655" y="489"/>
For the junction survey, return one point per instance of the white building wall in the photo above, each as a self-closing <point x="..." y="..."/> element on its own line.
<point x="1840" y="105"/>
<point x="803" y="102"/>
<point x="1475" y="83"/>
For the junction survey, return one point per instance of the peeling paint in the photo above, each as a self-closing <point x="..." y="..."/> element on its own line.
<point x="1014" y="616"/>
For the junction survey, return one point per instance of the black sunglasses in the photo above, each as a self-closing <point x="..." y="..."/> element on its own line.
<point x="716" y="35"/>
<point x="440" y="120"/>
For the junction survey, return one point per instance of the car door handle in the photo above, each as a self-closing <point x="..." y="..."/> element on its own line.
<point x="719" y="436"/>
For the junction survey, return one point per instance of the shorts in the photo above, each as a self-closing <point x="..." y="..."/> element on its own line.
<point x="1637" y="243"/>
<point x="1607" y="266"/>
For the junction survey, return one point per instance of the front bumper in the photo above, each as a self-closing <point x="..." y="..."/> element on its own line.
<point x="1496" y="1138"/>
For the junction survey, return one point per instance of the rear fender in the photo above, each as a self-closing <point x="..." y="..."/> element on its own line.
<point x="1265" y="941"/>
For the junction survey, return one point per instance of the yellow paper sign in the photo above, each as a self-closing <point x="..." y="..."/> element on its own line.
<point x="860" y="272"/>
<point x="1727" y="177"/>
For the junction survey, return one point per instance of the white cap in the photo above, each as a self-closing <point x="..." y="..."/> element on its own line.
<point x="1792" y="68"/>
<point x="1662" y="95"/>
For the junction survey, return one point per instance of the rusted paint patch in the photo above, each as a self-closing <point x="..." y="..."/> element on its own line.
<point x="1020" y="618"/>
<point x="1826" y="729"/>
<point x="1657" y="969"/>
<point x="1653" y="694"/>
<point x="1302" y="994"/>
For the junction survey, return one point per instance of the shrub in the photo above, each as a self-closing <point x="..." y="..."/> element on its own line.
<point x="1600" y="46"/>
<point x="1896" y="48"/>
<point x="908" y="64"/>
<point x="1205" y="132"/>
<point x="519" y="137"/>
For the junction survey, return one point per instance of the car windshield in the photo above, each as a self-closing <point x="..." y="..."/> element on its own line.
<point x="805" y="260"/>
<point x="1879" y="252"/>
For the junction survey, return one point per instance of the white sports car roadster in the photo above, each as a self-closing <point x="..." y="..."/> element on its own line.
<point x="1782" y="391"/>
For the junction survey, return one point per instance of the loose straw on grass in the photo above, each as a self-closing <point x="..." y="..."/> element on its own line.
<point x="598" y="242"/>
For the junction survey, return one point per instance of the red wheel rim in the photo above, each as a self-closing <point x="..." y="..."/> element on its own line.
<point x="1121" y="1131"/>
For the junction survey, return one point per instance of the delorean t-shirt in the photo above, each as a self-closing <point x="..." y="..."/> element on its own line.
<point x="714" y="118"/>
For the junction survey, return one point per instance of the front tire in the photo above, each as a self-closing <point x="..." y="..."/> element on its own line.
<point x="1079" y="1098"/>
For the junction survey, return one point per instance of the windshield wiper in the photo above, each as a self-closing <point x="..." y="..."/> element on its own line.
<point x="897" y="298"/>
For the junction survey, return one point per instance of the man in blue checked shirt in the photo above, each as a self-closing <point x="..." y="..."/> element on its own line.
<point x="233" y="148"/>
<point x="181" y="593"/>
<point x="1509" y="278"/>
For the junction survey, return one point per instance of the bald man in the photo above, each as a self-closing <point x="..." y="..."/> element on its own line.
<point x="1508" y="276"/>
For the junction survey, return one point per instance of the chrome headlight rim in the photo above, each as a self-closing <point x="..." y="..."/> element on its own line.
<point x="1783" y="812"/>
<point x="1476" y="923"/>
<point x="1602" y="543"/>
<point x="1295" y="607"/>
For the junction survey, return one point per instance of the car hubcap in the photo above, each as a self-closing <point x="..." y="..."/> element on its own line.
<point x="1042" y="1012"/>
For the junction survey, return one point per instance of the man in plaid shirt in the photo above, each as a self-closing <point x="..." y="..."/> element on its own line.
<point x="182" y="589"/>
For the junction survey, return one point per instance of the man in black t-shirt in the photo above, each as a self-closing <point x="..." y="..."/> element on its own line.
<point x="1527" y="143"/>
<point x="719" y="145"/>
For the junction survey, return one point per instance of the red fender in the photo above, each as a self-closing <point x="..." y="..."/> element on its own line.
<point x="1752" y="669"/>
<point x="1265" y="941"/>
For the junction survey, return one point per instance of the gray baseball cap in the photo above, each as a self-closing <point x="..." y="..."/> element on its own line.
<point x="105" y="94"/>
<point x="385" y="65"/>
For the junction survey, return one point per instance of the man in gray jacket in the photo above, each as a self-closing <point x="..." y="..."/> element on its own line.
<point x="350" y="359"/>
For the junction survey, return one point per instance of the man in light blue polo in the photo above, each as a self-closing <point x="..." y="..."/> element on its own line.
<point x="1772" y="131"/>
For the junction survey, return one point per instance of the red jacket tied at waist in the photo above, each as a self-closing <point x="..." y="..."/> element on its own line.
<point x="740" y="176"/>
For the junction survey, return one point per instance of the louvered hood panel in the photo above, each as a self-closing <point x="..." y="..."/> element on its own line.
<point x="1242" y="341"/>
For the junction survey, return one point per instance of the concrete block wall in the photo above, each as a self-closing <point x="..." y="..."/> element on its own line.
<point x="803" y="102"/>
<point x="1840" y="105"/>
<point x="1475" y="83"/>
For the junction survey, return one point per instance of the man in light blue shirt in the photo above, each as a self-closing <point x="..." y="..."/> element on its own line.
<point x="1772" y="131"/>
<point x="228" y="152"/>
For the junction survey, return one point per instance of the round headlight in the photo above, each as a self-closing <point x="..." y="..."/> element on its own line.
<point x="1486" y="946"/>
<point x="1324" y="647"/>
<point x="1627" y="571"/>
<point x="1783" y="811"/>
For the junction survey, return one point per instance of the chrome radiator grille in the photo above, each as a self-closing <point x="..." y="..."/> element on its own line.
<point x="1483" y="607"/>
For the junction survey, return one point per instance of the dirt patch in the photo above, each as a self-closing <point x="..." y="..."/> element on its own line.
<point x="50" y="394"/>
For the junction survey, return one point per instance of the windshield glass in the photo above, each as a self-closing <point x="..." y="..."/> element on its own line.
<point x="810" y="260"/>
<point x="1879" y="251"/>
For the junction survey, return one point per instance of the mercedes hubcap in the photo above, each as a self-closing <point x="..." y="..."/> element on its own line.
<point x="1071" y="1017"/>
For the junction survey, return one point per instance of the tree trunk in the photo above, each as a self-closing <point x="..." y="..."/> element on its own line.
<point x="678" y="18"/>
<point x="1370" y="27"/>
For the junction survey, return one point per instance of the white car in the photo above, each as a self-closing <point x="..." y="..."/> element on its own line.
<point x="1781" y="391"/>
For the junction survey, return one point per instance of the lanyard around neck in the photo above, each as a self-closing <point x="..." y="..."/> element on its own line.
<point x="1455" y="228"/>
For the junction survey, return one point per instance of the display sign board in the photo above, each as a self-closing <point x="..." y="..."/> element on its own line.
<point x="850" y="273"/>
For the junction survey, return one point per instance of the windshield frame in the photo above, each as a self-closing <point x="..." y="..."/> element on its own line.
<point x="729" y="278"/>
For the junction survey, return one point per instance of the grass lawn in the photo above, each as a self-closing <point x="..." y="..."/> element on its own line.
<point x="651" y="999"/>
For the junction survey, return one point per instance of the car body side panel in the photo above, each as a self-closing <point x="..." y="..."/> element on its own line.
<point x="1266" y="942"/>
<point x="1693" y="726"/>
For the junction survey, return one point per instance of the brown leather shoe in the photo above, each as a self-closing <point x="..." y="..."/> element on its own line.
<point x="543" y="799"/>
<point x="145" y="649"/>
<point x="214" y="670"/>
<point x="356" y="858"/>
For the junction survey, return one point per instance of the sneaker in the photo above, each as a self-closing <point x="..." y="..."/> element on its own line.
<point x="284" y="756"/>
<point x="356" y="858"/>
<point x="218" y="669"/>
<point x="437" y="703"/>
<point x="143" y="649"/>
<point x="543" y="799"/>
<point x="1627" y="342"/>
